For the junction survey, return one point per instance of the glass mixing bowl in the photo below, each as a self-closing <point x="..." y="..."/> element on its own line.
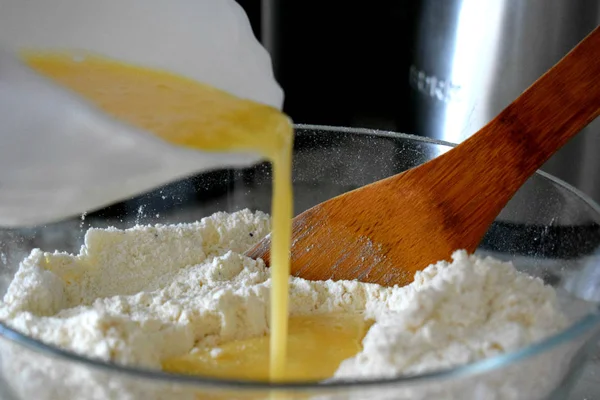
<point x="548" y="230"/>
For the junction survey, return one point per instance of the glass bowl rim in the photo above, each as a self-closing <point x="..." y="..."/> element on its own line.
<point x="579" y="328"/>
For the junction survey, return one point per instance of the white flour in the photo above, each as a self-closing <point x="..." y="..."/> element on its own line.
<point x="138" y="296"/>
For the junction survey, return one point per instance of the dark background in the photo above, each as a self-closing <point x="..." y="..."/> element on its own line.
<point x="340" y="62"/>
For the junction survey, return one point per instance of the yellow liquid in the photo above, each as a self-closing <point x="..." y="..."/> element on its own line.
<point x="316" y="346"/>
<point x="187" y="113"/>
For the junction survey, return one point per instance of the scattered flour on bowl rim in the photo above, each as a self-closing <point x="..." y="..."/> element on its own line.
<point x="138" y="296"/>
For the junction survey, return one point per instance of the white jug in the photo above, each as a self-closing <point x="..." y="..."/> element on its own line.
<point x="59" y="156"/>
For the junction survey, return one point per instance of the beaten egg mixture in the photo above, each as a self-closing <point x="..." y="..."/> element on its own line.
<point x="185" y="112"/>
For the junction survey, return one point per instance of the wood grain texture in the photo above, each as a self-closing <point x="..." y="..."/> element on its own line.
<point x="386" y="231"/>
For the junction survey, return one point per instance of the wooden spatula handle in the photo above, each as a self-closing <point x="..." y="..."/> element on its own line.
<point x="549" y="113"/>
<point x="474" y="182"/>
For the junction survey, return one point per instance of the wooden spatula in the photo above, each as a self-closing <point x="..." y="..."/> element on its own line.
<point x="386" y="231"/>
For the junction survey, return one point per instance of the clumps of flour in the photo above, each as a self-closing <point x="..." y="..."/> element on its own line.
<point x="141" y="295"/>
<point x="456" y="313"/>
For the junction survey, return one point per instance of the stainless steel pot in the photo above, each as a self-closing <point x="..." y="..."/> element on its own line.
<point x="473" y="57"/>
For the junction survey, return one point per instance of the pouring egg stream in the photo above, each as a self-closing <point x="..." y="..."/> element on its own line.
<point x="187" y="113"/>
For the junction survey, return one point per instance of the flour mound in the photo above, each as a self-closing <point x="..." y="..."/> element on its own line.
<point x="142" y="295"/>
<point x="456" y="313"/>
<point x="139" y="295"/>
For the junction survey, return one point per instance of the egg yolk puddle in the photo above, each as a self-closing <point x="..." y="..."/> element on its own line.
<point x="316" y="346"/>
<point x="185" y="112"/>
